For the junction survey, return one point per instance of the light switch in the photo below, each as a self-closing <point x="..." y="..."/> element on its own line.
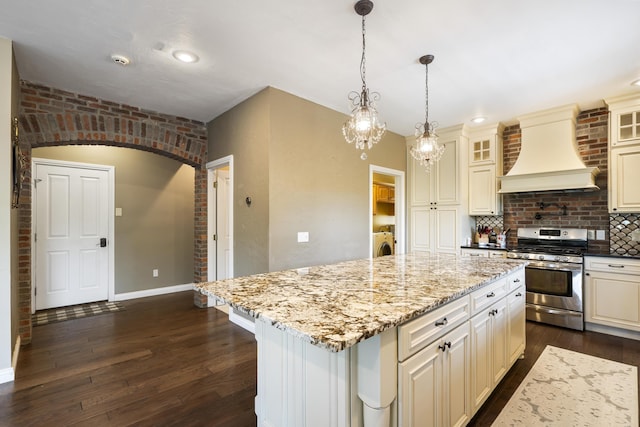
<point x="591" y="234"/>
<point x="118" y="211"/>
<point x="600" y="235"/>
<point x="303" y="236"/>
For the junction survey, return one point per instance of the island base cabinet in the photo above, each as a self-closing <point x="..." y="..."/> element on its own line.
<point x="300" y="384"/>
<point x="489" y="350"/>
<point x="434" y="383"/>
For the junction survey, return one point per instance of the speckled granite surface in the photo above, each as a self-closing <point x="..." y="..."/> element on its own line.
<point x="336" y="306"/>
<point x="566" y="388"/>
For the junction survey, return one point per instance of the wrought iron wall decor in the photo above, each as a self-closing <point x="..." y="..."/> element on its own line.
<point x="19" y="165"/>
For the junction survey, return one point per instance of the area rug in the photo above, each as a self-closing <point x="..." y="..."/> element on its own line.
<point x="565" y="388"/>
<point x="74" y="312"/>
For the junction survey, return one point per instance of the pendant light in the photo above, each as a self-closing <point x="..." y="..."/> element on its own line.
<point x="426" y="150"/>
<point x="363" y="127"/>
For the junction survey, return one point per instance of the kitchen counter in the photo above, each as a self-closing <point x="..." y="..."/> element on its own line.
<point x="490" y="246"/>
<point x="336" y="306"/>
<point x="609" y="255"/>
<point x="328" y="337"/>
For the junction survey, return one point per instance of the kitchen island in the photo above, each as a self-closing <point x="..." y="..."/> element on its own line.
<point x="333" y="339"/>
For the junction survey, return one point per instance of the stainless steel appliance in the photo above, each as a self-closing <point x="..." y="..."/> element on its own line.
<point x="554" y="274"/>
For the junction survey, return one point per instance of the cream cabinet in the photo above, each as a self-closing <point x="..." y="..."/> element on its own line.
<point x="612" y="292"/>
<point x="624" y="154"/>
<point x="489" y="341"/>
<point x="437" y="205"/>
<point x="451" y="359"/>
<point x="485" y="165"/>
<point x="516" y="323"/>
<point x="434" y="383"/>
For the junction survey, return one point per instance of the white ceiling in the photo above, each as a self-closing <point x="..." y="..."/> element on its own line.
<point x="497" y="58"/>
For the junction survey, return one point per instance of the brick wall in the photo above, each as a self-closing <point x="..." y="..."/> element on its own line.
<point x="53" y="117"/>
<point x="583" y="209"/>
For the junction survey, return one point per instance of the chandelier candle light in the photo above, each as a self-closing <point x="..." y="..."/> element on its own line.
<point x="426" y="150"/>
<point x="363" y="128"/>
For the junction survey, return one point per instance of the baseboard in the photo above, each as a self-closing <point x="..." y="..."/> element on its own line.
<point x="241" y="321"/>
<point x="153" y="292"/>
<point x="7" y="375"/>
<point x="618" y="332"/>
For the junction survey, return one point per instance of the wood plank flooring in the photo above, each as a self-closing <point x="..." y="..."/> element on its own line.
<point x="164" y="362"/>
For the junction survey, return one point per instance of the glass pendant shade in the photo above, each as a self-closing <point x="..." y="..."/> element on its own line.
<point x="426" y="149"/>
<point x="363" y="129"/>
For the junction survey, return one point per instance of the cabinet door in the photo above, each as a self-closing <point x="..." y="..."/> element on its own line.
<point x="420" y="184"/>
<point x="482" y="190"/>
<point x="624" y="176"/>
<point x="448" y="175"/>
<point x="421" y="228"/>
<point x="419" y="392"/>
<point x="517" y="323"/>
<point x="499" y="340"/>
<point x="457" y="375"/>
<point x="612" y="299"/>
<point x="446" y="229"/>
<point x="481" y="371"/>
<point x="482" y="150"/>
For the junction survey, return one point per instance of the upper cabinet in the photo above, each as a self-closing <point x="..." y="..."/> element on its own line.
<point x="485" y="165"/>
<point x="624" y="153"/>
<point x="437" y="218"/>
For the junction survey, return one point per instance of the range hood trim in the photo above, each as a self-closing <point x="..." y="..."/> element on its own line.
<point x="582" y="179"/>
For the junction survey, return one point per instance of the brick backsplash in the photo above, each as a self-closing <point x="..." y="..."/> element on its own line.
<point x="578" y="209"/>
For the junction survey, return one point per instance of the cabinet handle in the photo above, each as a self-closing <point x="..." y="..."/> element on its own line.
<point x="442" y="322"/>
<point x="518" y="294"/>
<point x="516" y="281"/>
<point x="587" y="274"/>
<point x="491" y="295"/>
<point x="474" y="254"/>
<point x="443" y="347"/>
<point x="616" y="265"/>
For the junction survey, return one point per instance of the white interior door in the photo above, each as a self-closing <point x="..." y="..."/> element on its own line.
<point x="223" y="232"/>
<point x="71" y="219"/>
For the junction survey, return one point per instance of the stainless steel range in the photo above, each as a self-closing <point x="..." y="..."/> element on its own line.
<point x="554" y="274"/>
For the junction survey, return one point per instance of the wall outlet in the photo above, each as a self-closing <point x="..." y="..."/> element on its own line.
<point x="600" y="235"/>
<point x="591" y="234"/>
<point x="118" y="211"/>
<point x="303" y="236"/>
<point x="635" y="235"/>
<point x="155" y="272"/>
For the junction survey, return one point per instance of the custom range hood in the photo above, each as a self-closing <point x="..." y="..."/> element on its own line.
<point x="549" y="159"/>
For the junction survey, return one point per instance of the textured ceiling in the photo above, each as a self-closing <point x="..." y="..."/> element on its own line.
<point x="498" y="58"/>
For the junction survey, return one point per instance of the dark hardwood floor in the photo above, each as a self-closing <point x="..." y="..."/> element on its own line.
<point x="164" y="362"/>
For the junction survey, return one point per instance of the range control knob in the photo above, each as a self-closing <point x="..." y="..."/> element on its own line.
<point x="564" y="259"/>
<point x="541" y="257"/>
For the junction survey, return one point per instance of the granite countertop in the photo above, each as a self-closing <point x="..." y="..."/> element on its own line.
<point x="336" y="306"/>
<point x="609" y="255"/>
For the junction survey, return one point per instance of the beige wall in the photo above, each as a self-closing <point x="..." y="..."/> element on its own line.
<point x="155" y="230"/>
<point x="290" y="157"/>
<point x="243" y="132"/>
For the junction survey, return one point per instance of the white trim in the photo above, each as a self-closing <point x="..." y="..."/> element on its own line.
<point x="211" y="167"/>
<point x="7" y="375"/>
<point x="153" y="292"/>
<point x="400" y="210"/>
<point x="241" y="321"/>
<point x="111" y="182"/>
<point x="16" y="351"/>
<point x="610" y="330"/>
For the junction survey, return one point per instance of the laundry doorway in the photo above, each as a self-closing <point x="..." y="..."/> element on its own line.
<point x="386" y="209"/>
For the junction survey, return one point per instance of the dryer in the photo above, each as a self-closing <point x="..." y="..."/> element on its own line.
<point x="383" y="244"/>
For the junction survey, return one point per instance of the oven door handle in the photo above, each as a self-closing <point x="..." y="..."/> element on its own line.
<point x="539" y="267"/>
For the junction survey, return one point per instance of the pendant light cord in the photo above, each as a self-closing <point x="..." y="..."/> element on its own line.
<point x="363" y="67"/>
<point x="426" y="97"/>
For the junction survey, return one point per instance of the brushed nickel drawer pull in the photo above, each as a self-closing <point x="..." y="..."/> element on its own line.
<point x="491" y="295"/>
<point x="442" y="322"/>
<point x="616" y="265"/>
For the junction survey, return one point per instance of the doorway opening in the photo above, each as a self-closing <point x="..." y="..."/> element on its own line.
<point x="220" y="219"/>
<point x="387" y="211"/>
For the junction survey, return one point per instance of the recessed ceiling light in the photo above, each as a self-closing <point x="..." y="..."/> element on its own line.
<point x="635" y="82"/>
<point x="478" y="119"/>
<point x="120" y="59"/>
<point x="185" y="56"/>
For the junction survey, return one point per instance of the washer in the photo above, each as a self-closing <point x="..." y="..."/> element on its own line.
<point x="383" y="244"/>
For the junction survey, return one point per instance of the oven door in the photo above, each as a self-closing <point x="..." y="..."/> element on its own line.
<point x="555" y="285"/>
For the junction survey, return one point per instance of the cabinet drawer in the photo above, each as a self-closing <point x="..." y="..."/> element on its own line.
<point x="475" y="253"/>
<point x="488" y="294"/>
<point x="419" y="333"/>
<point x="613" y="265"/>
<point x="515" y="280"/>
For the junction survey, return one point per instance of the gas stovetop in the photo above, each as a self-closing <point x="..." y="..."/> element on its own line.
<point x="551" y="244"/>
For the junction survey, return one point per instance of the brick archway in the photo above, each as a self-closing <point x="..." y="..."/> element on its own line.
<point x="51" y="117"/>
